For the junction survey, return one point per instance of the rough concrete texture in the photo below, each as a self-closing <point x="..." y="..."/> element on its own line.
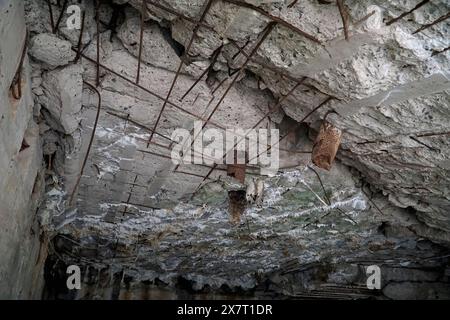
<point x="22" y="255"/>
<point x="134" y="224"/>
<point x="378" y="75"/>
<point x="51" y="51"/>
<point x="286" y="242"/>
<point x="157" y="50"/>
<point x="62" y="95"/>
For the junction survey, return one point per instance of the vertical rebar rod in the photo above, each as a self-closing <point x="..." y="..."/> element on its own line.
<point x="141" y="38"/>
<point x="344" y="16"/>
<point x="91" y="140"/>
<point x="97" y="18"/>
<point x="17" y="82"/>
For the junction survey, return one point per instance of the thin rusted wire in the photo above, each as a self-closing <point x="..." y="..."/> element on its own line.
<point x="17" y="80"/>
<point x="420" y="4"/>
<point x="138" y="124"/>
<point x="274" y="19"/>
<point x="438" y="20"/>
<point x="97" y="18"/>
<point x="433" y="134"/>
<point x="188" y="48"/>
<point x="344" y="16"/>
<point x="293" y="3"/>
<point x="91" y="140"/>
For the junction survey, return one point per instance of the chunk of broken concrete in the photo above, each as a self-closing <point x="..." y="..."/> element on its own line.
<point x="51" y="50"/>
<point x="63" y="95"/>
<point x="156" y="50"/>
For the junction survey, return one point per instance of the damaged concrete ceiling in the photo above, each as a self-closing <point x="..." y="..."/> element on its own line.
<point x="388" y="89"/>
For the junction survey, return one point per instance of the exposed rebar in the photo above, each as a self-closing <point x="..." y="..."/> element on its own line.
<point x="420" y="4"/>
<point x="191" y="41"/>
<point x="344" y="16"/>
<point x="91" y="140"/>
<point x="438" y="20"/>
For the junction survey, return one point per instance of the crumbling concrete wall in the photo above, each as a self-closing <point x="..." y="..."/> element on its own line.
<point x="21" y="254"/>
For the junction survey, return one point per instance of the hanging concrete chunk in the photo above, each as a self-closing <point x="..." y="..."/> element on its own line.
<point x="237" y="198"/>
<point x="326" y="145"/>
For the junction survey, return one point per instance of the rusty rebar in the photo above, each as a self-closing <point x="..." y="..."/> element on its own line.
<point x="148" y="129"/>
<point x="152" y="92"/>
<point x="344" y="16"/>
<point x="61" y="15"/>
<point x="138" y="125"/>
<point x="97" y="18"/>
<point x="274" y="19"/>
<point x="433" y="134"/>
<point x="17" y="80"/>
<point x="293" y="3"/>
<point x="191" y="41"/>
<point x="440" y="51"/>
<point x="438" y="20"/>
<point x="208" y="27"/>
<point x="265" y="33"/>
<point x="80" y="38"/>
<point x="91" y="140"/>
<point x="272" y="110"/>
<point x="191" y="174"/>
<point x="296" y="126"/>
<point x="50" y="11"/>
<point x="141" y="40"/>
<point x="130" y="193"/>
<point x="321" y="185"/>
<point x="420" y="4"/>
<point x="363" y="19"/>
<point x="214" y="57"/>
